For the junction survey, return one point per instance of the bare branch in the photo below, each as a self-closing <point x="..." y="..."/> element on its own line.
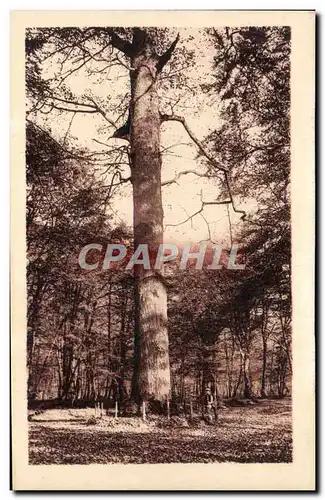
<point x="164" y="58"/>
<point x="185" y="172"/>
<point x="122" y="180"/>
<point x="199" y="144"/>
<point x="84" y="62"/>
<point x="68" y="129"/>
<point x="203" y="204"/>
<point x="81" y="107"/>
<point x="208" y="225"/>
<point x="102" y="143"/>
<point x="101" y="112"/>
<point x="69" y="101"/>
<point x="205" y="153"/>
<point x="243" y="217"/>
<point x="59" y="108"/>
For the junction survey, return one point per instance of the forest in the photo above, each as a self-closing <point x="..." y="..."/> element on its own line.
<point x="103" y="107"/>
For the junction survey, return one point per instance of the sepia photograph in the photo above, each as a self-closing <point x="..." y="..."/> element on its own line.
<point x="159" y="281"/>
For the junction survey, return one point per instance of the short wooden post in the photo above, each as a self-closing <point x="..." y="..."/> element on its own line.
<point x="144" y="411"/>
<point x="191" y="409"/>
<point x="116" y="409"/>
<point x="168" y="409"/>
<point x="101" y="409"/>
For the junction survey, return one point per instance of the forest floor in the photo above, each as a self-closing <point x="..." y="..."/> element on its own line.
<point x="260" y="432"/>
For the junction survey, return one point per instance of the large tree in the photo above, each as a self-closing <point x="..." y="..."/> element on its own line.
<point x="250" y="71"/>
<point x="142" y="52"/>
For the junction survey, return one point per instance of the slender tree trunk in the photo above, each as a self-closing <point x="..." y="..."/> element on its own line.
<point x="239" y="379"/>
<point x="228" y="382"/>
<point x="271" y="376"/>
<point x="264" y="363"/>
<point x="152" y="372"/>
<point x="123" y="348"/>
<point x="246" y="374"/>
<point x="215" y="373"/>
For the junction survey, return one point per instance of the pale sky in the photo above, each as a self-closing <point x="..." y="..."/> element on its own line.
<point x="179" y="200"/>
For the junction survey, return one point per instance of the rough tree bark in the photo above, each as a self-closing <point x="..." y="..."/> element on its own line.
<point x="151" y="378"/>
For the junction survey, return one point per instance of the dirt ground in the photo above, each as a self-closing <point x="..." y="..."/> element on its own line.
<point x="250" y="434"/>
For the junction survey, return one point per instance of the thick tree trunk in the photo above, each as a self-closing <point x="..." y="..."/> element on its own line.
<point x="152" y="373"/>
